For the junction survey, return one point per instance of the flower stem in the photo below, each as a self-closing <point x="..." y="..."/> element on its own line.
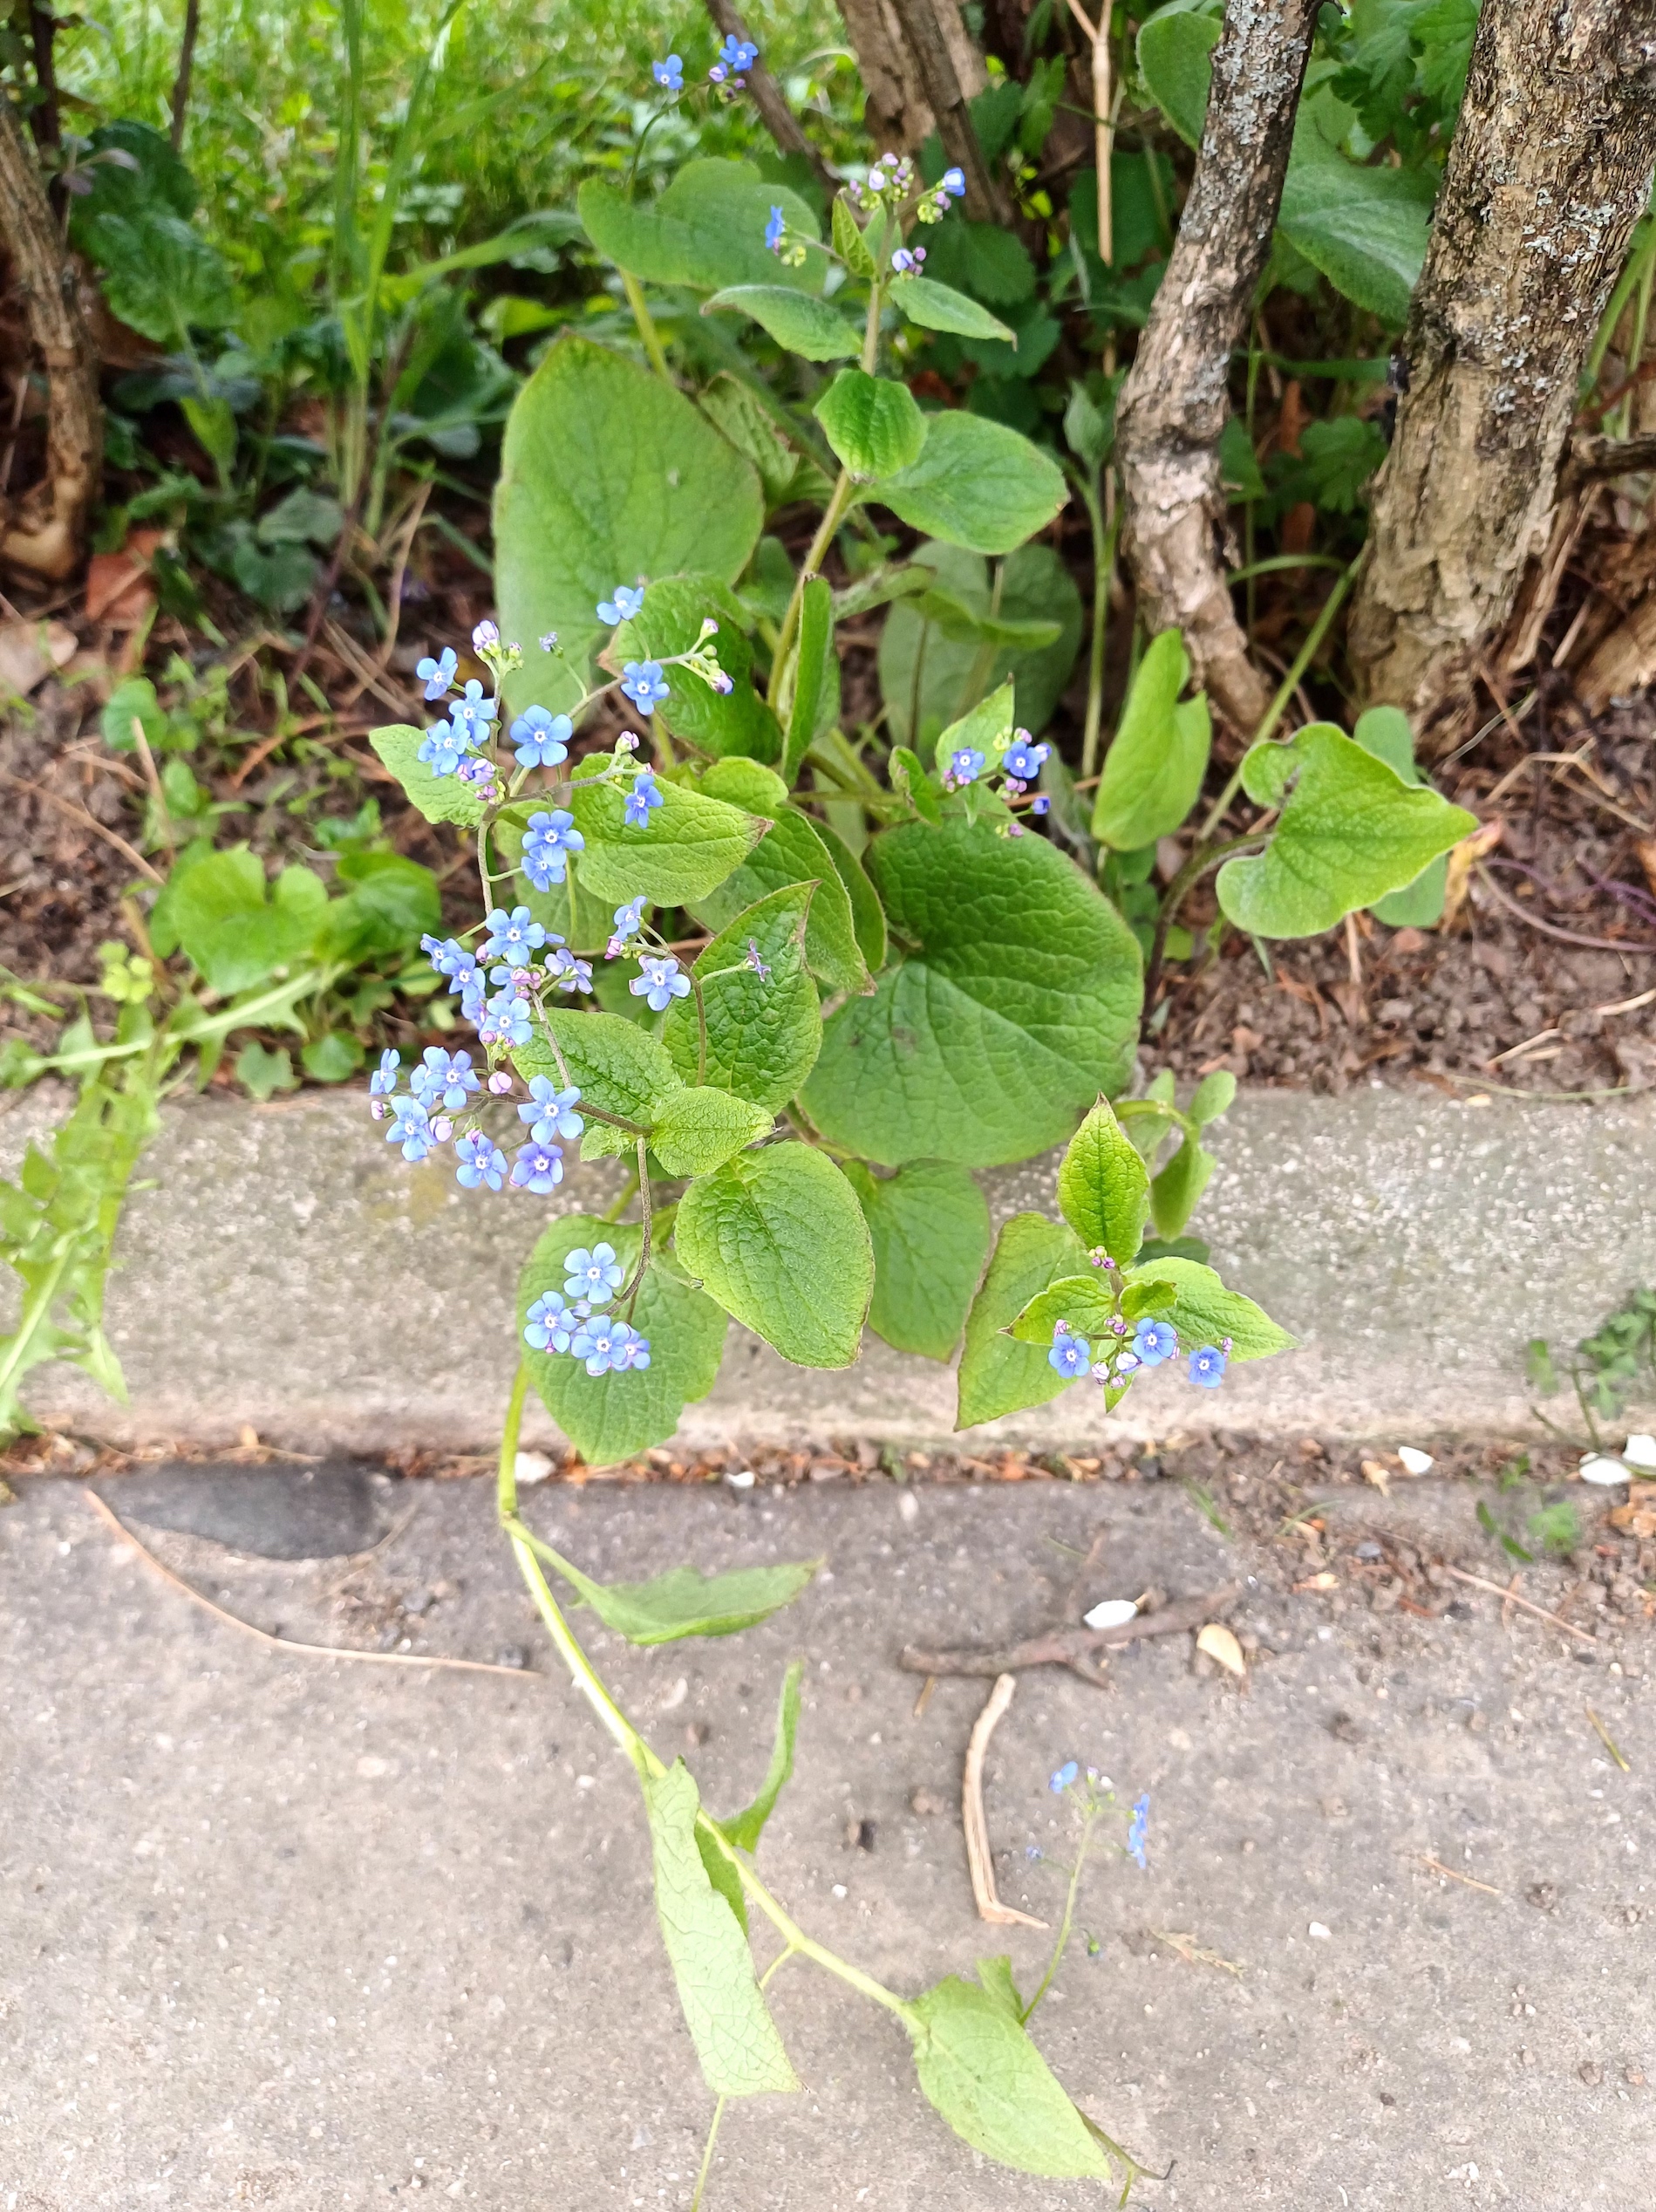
<point x="1064" y="1926"/>
<point x="707" y="2156"/>
<point x="647" y="330"/>
<point x="1104" y="538"/>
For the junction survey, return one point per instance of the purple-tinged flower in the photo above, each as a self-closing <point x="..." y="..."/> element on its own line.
<point x="605" y="1342"/>
<point x="953" y="182"/>
<point x="500" y="1084"/>
<point x="1135" y="1834"/>
<point x="450" y="958"/>
<point x="505" y="1020"/>
<point x="754" y="961"/>
<point x="538" y="1167"/>
<point x="551" y="1111"/>
<point x="480" y="1161"/>
<point x="630" y="916"/>
<point x="776" y="230"/>
<point x="721" y="681"/>
<point x="549" y="642"/>
<point x="595" y="1275"/>
<point x="623" y="607"/>
<point x="437" y="675"/>
<point x="966" y="765"/>
<point x="547" y="843"/>
<point x="643" y="684"/>
<point x="541" y="739"/>
<point x="1070" y="1355"/>
<point x="473" y="712"/>
<point x="548" y="1326"/>
<point x="383" y="1082"/>
<point x="510" y="935"/>
<point x="629" y="1349"/>
<point x="486" y="637"/>
<point x="659" y="981"/>
<point x="444" y="746"/>
<point x="1207" y="1365"/>
<point x="445" y="1077"/>
<point x="1043" y="805"/>
<point x="1024" y="758"/>
<point x="473" y="998"/>
<point x="669" y="75"/>
<point x="569" y="973"/>
<point x="644" y="794"/>
<point x="480" y="773"/>
<point x="907" y="259"/>
<point x="1066" y="1774"/>
<point x="1154" y="1341"/>
<point x="412" y="1128"/>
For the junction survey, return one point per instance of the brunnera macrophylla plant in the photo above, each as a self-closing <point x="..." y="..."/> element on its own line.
<point x="804" y="982"/>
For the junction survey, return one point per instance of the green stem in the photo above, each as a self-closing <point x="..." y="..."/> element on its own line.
<point x="1064" y="1926"/>
<point x="1276" y="561"/>
<point x="701" y="1025"/>
<point x="1202" y="859"/>
<point x="647" y="330"/>
<point x="630" y="1295"/>
<point x="1104" y="541"/>
<point x="707" y="2156"/>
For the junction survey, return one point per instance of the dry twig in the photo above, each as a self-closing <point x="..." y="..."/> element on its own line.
<point x="1066" y="1646"/>
<point x="1499" y="1590"/>
<point x="976" y="1822"/>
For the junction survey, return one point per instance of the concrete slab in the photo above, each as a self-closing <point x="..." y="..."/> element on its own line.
<point x="315" y="1937"/>
<point x="283" y="1268"/>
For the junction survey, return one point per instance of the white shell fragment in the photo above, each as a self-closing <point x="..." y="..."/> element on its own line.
<point x="1111" y="1613"/>
<point x="531" y="1467"/>
<point x="1639" y="1451"/>
<point x="1606" y="1472"/>
<point x="740" y="1477"/>
<point x="1415" y="1461"/>
<point x="1318" y="1932"/>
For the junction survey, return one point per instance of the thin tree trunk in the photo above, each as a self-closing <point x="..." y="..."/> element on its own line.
<point x="1550" y="168"/>
<point x="186" y="70"/>
<point x="894" y="112"/>
<point x="951" y="71"/>
<point x="44" y="531"/>
<point x="1175" y="402"/>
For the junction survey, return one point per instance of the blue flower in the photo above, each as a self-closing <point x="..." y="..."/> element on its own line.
<point x="659" y="981"/>
<point x="1207" y="1365"/>
<point x="642" y="682"/>
<point x="776" y="230"/>
<point x="548" y="1325"/>
<point x="967" y="764"/>
<point x="597" y="1274"/>
<point x="512" y="935"/>
<point x="738" y="54"/>
<point x="603" y="1344"/>
<point x="480" y="1161"/>
<point x="569" y="973"/>
<point x="444" y="746"/>
<point x="412" y="1128"/>
<point x="755" y="959"/>
<point x="437" y="675"/>
<point x="444" y="1077"/>
<point x="1154" y="1341"/>
<point x="486" y="636"/>
<point x="623" y="608"/>
<point x="1070" y="1354"/>
<point x="383" y="1082"/>
<point x="669" y="75"/>
<point x="629" y="1348"/>
<point x="549" y="839"/>
<point x="628" y="917"/>
<point x="1024" y="759"/>
<point x="472" y="713"/>
<point x="1065" y="1776"/>
<point x="450" y="958"/>
<point x="538" y="1167"/>
<point x="644" y="795"/>
<point x="1135" y="1833"/>
<point x="542" y="739"/>
<point x="953" y="182"/>
<point x="505" y="1020"/>
<point x="551" y="1111"/>
<point x="907" y="259"/>
<point x="1042" y="805"/>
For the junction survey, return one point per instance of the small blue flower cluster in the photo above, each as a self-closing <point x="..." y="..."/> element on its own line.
<point x="575" y="1321"/>
<point x="1136" y="1832"/>
<point x="441" y="1086"/>
<point x="728" y="75"/>
<point x="1098" y="1792"/>
<point x="1154" y="1343"/>
<point x="1017" y="762"/>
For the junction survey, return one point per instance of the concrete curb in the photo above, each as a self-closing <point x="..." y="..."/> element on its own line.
<point x="281" y="1268"/>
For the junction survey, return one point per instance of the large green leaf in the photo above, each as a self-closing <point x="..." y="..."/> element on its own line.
<point x="618" y="1066"/>
<point x="608" y="1418"/>
<point x="1388" y="733"/>
<point x="1015" y="1004"/>
<point x="1175" y="1191"/>
<point x="777" y="1237"/>
<point x="921" y="664"/>
<point x="439" y="798"/>
<point x="763" y="1031"/>
<point x="162" y="275"/>
<point x="793" y="852"/>
<point x="1364" y="225"/>
<point x="745" y="1828"/>
<point x="867" y="915"/>
<point x="785" y="472"/>
<point x="236" y="927"/>
<point x="977" y="484"/>
<point x="1083" y="1303"/>
<point x="798" y="322"/>
<point x="685" y="1602"/>
<point x="997" y="1375"/>
<point x="707" y="228"/>
<point x="669" y="622"/>
<point x="736" y="2041"/>
<point x="698" y="1130"/>
<point x="1153" y="769"/>
<point x="1103" y="1191"/>
<point x="937" y="307"/>
<point x="606" y="476"/>
<point x="981" y="2071"/>
<point x="1175" y="60"/>
<point x="1205" y="1312"/>
<point x="1351" y="830"/>
<point x="928" y="1223"/>
<point x="872" y="424"/>
<point x="690" y="842"/>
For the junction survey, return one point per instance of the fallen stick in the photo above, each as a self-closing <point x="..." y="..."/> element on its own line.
<point x="979" y="1860"/>
<point x="1449" y="1873"/>
<point x="1066" y="1646"/>
<point x="1511" y="1597"/>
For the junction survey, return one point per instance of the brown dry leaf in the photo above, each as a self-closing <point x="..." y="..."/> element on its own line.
<point x="1637" y="1516"/>
<point x="28" y="652"/>
<point x="1219" y="1643"/>
<point x="1470" y="849"/>
<point x="1381" y="1477"/>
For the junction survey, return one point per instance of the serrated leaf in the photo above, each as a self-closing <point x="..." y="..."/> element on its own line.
<point x="1350" y="831"/>
<point x="928" y="1224"/>
<point x="938" y="307"/>
<point x="763" y="1031"/>
<point x="669" y="623"/>
<point x="1084" y="1303"/>
<point x="1176" y="1189"/>
<point x="744" y="1829"/>
<point x="814" y="676"/>
<point x="689" y="845"/>
<point x="161" y="275"/>
<point x="609" y="1417"/>
<point x="793" y="852"/>
<point x="736" y="2041"/>
<point x="777" y="1237"/>
<point x="978" y="2068"/>
<point x="872" y="424"/>
<point x="1015" y="1002"/>
<point x="1103" y="1191"/>
<point x="799" y="324"/>
<point x="997" y="1375"/>
<point x="977" y="484"/>
<point x="1205" y="1312"/>
<point x="685" y="1602"/>
<point x="922" y="667"/>
<point x="1153" y="769"/>
<point x="439" y="798"/>
<point x="697" y="1131"/>
<point x="707" y="228"/>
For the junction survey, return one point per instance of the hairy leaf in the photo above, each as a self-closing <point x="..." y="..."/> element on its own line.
<point x="1205" y="1312"/>
<point x="1153" y="769"/>
<point x="799" y="324"/>
<point x="1175" y="60"/>
<point x="618" y="1066"/>
<point x="815" y="684"/>
<point x="1176" y="1189"/>
<point x="872" y="424"/>
<point x="744" y="1829"/>
<point x="977" y="484"/>
<point x="1103" y="1191"/>
<point x="1083" y="1303"/>
<point x="793" y="852"/>
<point x="763" y="1031"/>
<point x="236" y="927"/>
<point x="930" y="1227"/>
<point x="997" y="1376"/>
<point x="1365" y="226"/>
<point x="669" y="622"/>
<point x="867" y="915"/>
<point x="777" y="1237"/>
<point x="707" y="228"/>
<point x="1386" y="732"/>
<point x="689" y="843"/>
<point x="937" y="307"/>
<point x="697" y="1131"/>
<point x="439" y="798"/>
<point x="981" y="2071"/>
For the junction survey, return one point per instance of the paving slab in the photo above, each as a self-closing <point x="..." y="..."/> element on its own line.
<point x="283" y="1268"/>
<point x="316" y="1935"/>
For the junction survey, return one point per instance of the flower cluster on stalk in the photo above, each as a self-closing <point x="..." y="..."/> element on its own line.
<point x="577" y="1321"/>
<point x="727" y="76"/>
<point x="1129" y="1348"/>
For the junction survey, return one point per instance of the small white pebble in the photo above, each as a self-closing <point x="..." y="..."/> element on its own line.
<point x="586" y="1781"/>
<point x="1415" y="1461"/>
<point x="908" y="1506"/>
<point x="1595" y="1468"/>
<point x="531" y="1467"/>
<point x="740" y="1477"/>
<point x="1639" y="1451"/>
<point x="839" y="1890"/>
<point x="1111" y="1613"/>
<point x="1318" y="1931"/>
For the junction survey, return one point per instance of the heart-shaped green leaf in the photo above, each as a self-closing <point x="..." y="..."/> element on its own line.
<point x="669" y="622"/>
<point x="1158" y="756"/>
<point x="793" y="852"/>
<point x="697" y="1131"/>
<point x="439" y="798"/>
<point x="763" y="1032"/>
<point x="1205" y="1312"/>
<point x="981" y="2071"/>
<point x="930" y="1227"/>
<point x="777" y="1237"/>
<point x="689" y="843"/>
<point x="977" y="484"/>
<point x="618" y="1066"/>
<point x="872" y="424"/>
<point x="707" y="228"/>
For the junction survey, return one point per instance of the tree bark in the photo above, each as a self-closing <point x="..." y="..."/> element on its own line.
<point x="774" y="113"/>
<point x="919" y="71"/>
<point x="44" y="531"/>
<point x="1175" y="402"/>
<point x="1551" y="167"/>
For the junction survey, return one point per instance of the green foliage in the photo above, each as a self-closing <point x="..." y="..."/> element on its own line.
<point x="978" y="2068"/>
<point x="744" y="1829"/>
<point x="1158" y="757"/>
<point x="939" y="649"/>
<point x="778" y="1238"/>
<point x="809" y="327"/>
<point x="706" y="229"/>
<point x="688" y="846"/>
<point x="619" y="1068"/>
<point x="698" y="1130"/>
<point x="976" y="484"/>
<point x="668" y="623"/>
<point x="997" y="1375"/>
<point x="763" y="1033"/>
<point x="935" y="307"/>
<point x="928" y="1224"/>
<point x="1205" y="1312"/>
<point x="682" y="1602"/>
<point x="872" y="424"/>
<point x="1103" y="1191"/>
<point x="793" y="852"/>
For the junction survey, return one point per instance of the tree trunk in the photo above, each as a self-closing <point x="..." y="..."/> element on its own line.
<point x="1175" y="401"/>
<point x="919" y="69"/>
<point x="44" y="532"/>
<point x="1550" y="168"/>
